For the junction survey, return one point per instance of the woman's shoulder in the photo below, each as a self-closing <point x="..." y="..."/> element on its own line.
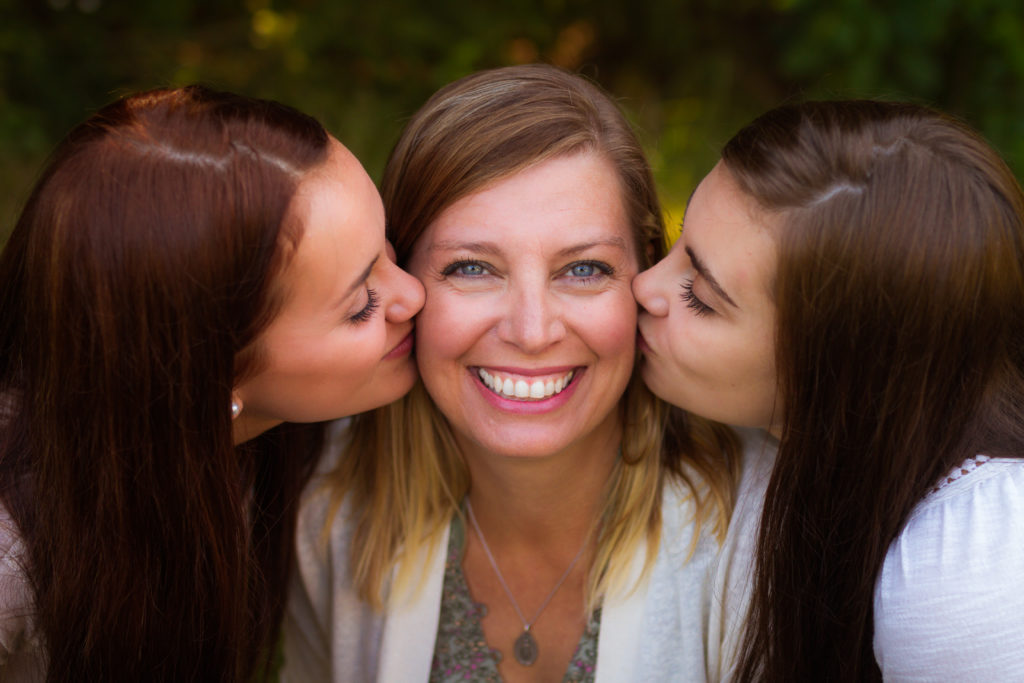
<point x="15" y="598"/>
<point x="975" y="505"/>
<point x="948" y="599"/>
<point x="18" y="644"/>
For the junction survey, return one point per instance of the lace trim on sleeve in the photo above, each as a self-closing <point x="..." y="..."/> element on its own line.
<point x="965" y="468"/>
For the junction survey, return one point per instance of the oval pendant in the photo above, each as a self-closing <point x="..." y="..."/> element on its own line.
<point x="525" y="649"/>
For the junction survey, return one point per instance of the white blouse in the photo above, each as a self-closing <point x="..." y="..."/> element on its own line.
<point x="949" y="602"/>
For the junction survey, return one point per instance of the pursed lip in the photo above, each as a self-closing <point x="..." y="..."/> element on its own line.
<point x="402" y="348"/>
<point x="641" y="342"/>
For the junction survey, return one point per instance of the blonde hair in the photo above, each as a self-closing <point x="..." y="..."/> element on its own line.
<point x="403" y="475"/>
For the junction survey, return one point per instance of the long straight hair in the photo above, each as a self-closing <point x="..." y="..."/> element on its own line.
<point x="900" y="302"/>
<point x="403" y="473"/>
<point x="132" y="294"/>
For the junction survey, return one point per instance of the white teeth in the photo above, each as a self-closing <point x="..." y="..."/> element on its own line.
<point x="522" y="389"/>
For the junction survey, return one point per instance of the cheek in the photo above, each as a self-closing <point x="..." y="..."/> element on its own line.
<point x="725" y="357"/>
<point x="342" y="357"/>
<point x="447" y="327"/>
<point x="609" y="327"/>
<point x="700" y="347"/>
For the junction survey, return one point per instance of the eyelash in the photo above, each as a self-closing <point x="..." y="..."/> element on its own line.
<point x="372" y="304"/>
<point x="455" y="265"/>
<point x="604" y="270"/>
<point x="693" y="302"/>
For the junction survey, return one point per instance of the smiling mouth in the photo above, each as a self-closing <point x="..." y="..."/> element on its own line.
<point x="533" y="389"/>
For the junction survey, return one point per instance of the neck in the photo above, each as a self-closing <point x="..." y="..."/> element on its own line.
<point x="554" y="498"/>
<point x="245" y="427"/>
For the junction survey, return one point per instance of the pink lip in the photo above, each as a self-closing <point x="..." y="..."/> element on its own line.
<point x="641" y="342"/>
<point x="528" y="372"/>
<point x="403" y="348"/>
<point x="529" y="407"/>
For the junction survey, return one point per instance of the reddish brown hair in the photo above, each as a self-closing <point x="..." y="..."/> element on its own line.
<point x="132" y="290"/>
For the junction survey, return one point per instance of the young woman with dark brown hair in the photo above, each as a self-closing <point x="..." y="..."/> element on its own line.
<point x="192" y="270"/>
<point x="850" y="277"/>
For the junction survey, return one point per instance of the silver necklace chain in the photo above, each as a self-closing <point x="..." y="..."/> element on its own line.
<point x="525" y="649"/>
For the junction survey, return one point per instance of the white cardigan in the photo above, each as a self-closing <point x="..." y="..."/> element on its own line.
<point x="658" y="632"/>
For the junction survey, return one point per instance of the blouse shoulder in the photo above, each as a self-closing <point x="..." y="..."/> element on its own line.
<point x="19" y="648"/>
<point x="948" y="601"/>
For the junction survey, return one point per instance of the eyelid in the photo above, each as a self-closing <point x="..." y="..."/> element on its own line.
<point x="603" y="271"/>
<point x="694" y="302"/>
<point x="372" y="304"/>
<point x="605" y="268"/>
<point x="453" y="267"/>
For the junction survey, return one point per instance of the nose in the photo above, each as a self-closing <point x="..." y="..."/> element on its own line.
<point x="649" y="293"/>
<point x="403" y="295"/>
<point x="532" y="320"/>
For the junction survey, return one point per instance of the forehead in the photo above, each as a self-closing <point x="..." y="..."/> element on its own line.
<point x="556" y="203"/>
<point x="732" y="235"/>
<point x="339" y="221"/>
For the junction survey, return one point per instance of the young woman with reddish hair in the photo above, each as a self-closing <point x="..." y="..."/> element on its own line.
<point x="194" y="272"/>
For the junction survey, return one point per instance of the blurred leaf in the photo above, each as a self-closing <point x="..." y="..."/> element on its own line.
<point x="688" y="72"/>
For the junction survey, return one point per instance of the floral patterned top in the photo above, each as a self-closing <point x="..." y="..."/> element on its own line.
<point x="461" y="652"/>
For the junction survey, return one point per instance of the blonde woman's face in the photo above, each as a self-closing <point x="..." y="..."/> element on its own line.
<point x="341" y="343"/>
<point x="527" y="338"/>
<point x="707" y="324"/>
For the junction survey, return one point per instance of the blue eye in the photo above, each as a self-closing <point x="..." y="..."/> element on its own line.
<point x="465" y="269"/>
<point x="583" y="269"/>
<point x="587" y="271"/>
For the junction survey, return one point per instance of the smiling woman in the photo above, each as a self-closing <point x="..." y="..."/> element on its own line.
<point x="528" y="282"/>
<point x="530" y="512"/>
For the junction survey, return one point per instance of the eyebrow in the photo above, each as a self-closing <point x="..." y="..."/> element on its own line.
<point x="703" y="271"/>
<point x="615" y="242"/>
<point x="491" y="248"/>
<point x="358" y="282"/>
<point x="475" y="247"/>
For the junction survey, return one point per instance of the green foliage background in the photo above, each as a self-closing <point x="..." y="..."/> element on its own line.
<point x="688" y="72"/>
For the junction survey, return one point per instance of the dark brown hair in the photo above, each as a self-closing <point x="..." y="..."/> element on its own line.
<point x="900" y="302"/>
<point x="404" y="474"/>
<point x="132" y="294"/>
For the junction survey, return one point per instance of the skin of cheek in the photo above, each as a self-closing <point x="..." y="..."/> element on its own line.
<point x="720" y="371"/>
<point x="447" y="327"/>
<point x="457" y="329"/>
